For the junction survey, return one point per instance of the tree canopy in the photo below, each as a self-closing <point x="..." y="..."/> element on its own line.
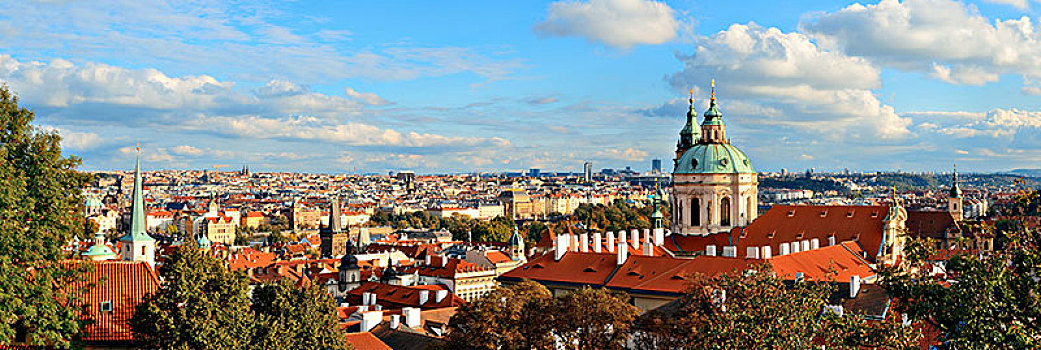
<point x="203" y="305"/>
<point x="527" y="316"/>
<point x="974" y="300"/>
<point x="40" y="211"/>
<point x="759" y="310"/>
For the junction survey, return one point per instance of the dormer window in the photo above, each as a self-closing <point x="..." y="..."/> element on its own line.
<point x="723" y="161"/>
<point x="791" y="213"/>
<point x="693" y="163"/>
<point x="105" y="306"/>
<point x="824" y="213"/>
<point x="849" y="214"/>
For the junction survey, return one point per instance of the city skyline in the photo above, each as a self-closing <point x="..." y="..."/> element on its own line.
<point x="914" y="85"/>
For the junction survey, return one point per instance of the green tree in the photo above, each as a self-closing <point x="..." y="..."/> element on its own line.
<point x="988" y="301"/>
<point x="294" y="318"/>
<point x="758" y="310"/>
<point x="275" y="236"/>
<point x="40" y="211"/>
<point x="516" y="317"/>
<point x="594" y="319"/>
<point x="200" y="305"/>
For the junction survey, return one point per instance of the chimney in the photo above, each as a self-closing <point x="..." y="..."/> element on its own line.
<point x="784" y="249"/>
<point x="441" y="294"/>
<point x="574" y="243"/>
<point x="610" y="241"/>
<point x="378" y="307"/>
<point x="395" y="321"/>
<point x="370" y="319"/>
<point x="345" y="304"/>
<point x="710" y="250"/>
<point x="372" y="300"/>
<point x="648" y="248"/>
<point x="444" y="261"/>
<point x="815" y="244"/>
<point x="362" y="309"/>
<point x="854" y="286"/>
<point x="831" y="240"/>
<point x="598" y="242"/>
<point x="621" y="237"/>
<point x="659" y="236"/>
<point x="428" y="260"/>
<point x="424" y="295"/>
<point x="623" y="252"/>
<point x="635" y="241"/>
<point x="767" y="254"/>
<point x="365" y="298"/>
<point x="805" y="245"/>
<point x="560" y="248"/>
<point x="584" y="245"/>
<point x="412" y="318"/>
<point x="668" y="232"/>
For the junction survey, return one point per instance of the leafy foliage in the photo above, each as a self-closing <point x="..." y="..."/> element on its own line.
<point x="203" y="305"/>
<point x="294" y="318"/>
<point x="620" y="215"/>
<point x="979" y="301"/>
<point x="40" y="210"/>
<point x="527" y="316"/>
<point x="758" y="310"/>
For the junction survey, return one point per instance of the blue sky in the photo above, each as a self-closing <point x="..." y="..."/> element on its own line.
<point x="500" y="86"/>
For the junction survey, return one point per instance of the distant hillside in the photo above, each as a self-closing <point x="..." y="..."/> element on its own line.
<point x="1025" y="172"/>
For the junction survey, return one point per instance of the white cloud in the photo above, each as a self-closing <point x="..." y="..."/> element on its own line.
<point x="1019" y="4"/>
<point x="629" y="154"/>
<point x="617" y="23"/>
<point x="946" y="39"/>
<point x="367" y="98"/>
<point x="789" y="81"/>
<point x="78" y="140"/>
<point x="186" y="150"/>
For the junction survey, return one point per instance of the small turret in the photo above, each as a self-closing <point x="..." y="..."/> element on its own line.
<point x="689" y="135"/>
<point x="954" y="200"/>
<point x="713" y="129"/>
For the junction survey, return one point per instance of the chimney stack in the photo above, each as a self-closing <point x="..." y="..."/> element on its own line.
<point x="441" y="294"/>
<point x="648" y="248"/>
<point x="610" y="241"/>
<point x="561" y="247"/>
<point x="635" y="241"/>
<point x="710" y="250"/>
<point x="370" y="319"/>
<point x="424" y="295"/>
<point x="623" y="252"/>
<point x="584" y="245"/>
<point x="854" y="286"/>
<point x="621" y="237"/>
<point x="597" y="242"/>
<point x="659" y="236"/>
<point x="411" y="314"/>
<point x="395" y="321"/>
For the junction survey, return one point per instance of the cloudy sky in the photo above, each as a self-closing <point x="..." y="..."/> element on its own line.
<point x="446" y="86"/>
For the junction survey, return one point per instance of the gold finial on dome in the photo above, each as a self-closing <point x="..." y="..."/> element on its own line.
<point x="713" y="89"/>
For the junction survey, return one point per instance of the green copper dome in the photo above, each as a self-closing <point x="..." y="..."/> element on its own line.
<point x="713" y="158"/>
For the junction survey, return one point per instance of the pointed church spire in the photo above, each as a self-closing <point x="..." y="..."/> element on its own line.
<point x="955" y="188"/>
<point x="137" y="211"/>
<point x="689" y="135"/>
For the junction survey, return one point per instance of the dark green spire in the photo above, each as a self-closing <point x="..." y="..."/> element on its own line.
<point x="690" y="134"/>
<point x="713" y="116"/>
<point x="137" y="211"/>
<point x="955" y="188"/>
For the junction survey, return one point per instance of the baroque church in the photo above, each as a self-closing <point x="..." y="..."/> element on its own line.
<point x="714" y="187"/>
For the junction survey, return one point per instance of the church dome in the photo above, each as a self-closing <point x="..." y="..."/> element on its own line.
<point x="713" y="158"/>
<point x="348" y="261"/>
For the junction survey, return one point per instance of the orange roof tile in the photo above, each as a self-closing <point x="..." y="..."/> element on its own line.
<point x="366" y="341"/>
<point x="123" y="284"/>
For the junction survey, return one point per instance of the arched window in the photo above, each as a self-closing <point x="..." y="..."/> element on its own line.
<point x="724" y="211"/>
<point x="695" y="212"/>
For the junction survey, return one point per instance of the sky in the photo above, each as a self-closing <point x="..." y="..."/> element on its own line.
<point x="467" y="86"/>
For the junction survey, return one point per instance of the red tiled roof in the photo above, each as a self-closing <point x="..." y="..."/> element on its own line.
<point x="448" y="270"/>
<point x="843" y="259"/>
<point x="930" y="224"/>
<point x="366" y="341"/>
<point x="666" y="274"/>
<point x="497" y="257"/>
<point x="124" y="284"/>
<point x="396" y="297"/>
<point x="573" y="267"/>
<point x="791" y="223"/>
